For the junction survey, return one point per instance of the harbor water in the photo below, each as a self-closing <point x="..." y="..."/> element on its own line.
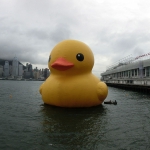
<point x="27" y="124"/>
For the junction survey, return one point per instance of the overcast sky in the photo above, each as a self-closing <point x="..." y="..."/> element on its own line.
<point x="113" y="29"/>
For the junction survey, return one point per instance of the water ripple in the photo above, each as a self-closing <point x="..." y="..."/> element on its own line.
<point x="28" y="124"/>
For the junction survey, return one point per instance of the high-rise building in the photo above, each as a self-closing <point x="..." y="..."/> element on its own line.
<point x="15" y="67"/>
<point x="28" y="72"/>
<point x="20" y="70"/>
<point x="46" y="73"/>
<point x="36" y="74"/>
<point x="1" y="71"/>
<point x="10" y="69"/>
<point x="26" y="66"/>
<point x="30" y="68"/>
<point x="6" y="69"/>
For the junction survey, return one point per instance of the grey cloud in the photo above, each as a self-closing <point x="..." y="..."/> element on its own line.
<point x="9" y="50"/>
<point x="30" y="29"/>
<point x="60" y="33"/>
<point x="125" y="43"/>
<point x="38" y="33"/>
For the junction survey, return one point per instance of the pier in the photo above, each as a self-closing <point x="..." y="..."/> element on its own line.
<point x="130" y="74"/>
<point x="130" y="86"/>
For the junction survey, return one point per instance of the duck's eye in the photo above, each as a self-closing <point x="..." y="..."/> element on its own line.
<point x="49" y="59"/>
<point x="80" y="57"/>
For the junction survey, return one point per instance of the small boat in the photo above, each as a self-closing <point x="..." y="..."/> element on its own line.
<point x="111" y="102"/>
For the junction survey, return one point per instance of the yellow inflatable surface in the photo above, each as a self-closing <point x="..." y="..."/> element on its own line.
<point x="71" y="82"/>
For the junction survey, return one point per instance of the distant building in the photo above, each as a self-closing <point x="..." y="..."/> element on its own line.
<point x="28" y="72"/>
<point x="10" y="70"/>
<point x="20" y="71"/>
<point x="26" y="66"/>
<point x="36" y="75"/>
<point x="27" y="75"/>
<point x="15" y="67"/>
<point x="46" y="73"/>
<point x="1" y="70"/>
<point x="40" y="73"/>
<point x="6" y="69"/>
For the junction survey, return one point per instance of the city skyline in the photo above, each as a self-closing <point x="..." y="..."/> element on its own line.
<point x="24" y="63"/>
<point x="13" y="69"/>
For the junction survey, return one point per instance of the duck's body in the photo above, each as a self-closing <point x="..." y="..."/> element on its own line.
<point x="74" y="91"/>
<point x="69" y="85"/>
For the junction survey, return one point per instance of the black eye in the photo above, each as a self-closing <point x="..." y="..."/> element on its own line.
<point x="80" y="57"/>
<point x="49" y="59"/>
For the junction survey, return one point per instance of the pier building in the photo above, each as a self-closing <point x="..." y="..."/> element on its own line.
<point x="131" y="73"/>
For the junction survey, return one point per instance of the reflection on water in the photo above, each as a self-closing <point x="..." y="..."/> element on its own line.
<point x="74" y="128"/>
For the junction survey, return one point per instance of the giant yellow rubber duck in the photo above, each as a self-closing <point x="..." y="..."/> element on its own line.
<point x="71" y="82"/>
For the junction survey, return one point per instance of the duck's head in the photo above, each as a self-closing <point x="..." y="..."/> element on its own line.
<point x="71" y="57"/>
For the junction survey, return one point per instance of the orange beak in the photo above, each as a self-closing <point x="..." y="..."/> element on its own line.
<point x="62" y="64"/>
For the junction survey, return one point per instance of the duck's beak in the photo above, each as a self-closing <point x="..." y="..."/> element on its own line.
<point x="62" y="64"/>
